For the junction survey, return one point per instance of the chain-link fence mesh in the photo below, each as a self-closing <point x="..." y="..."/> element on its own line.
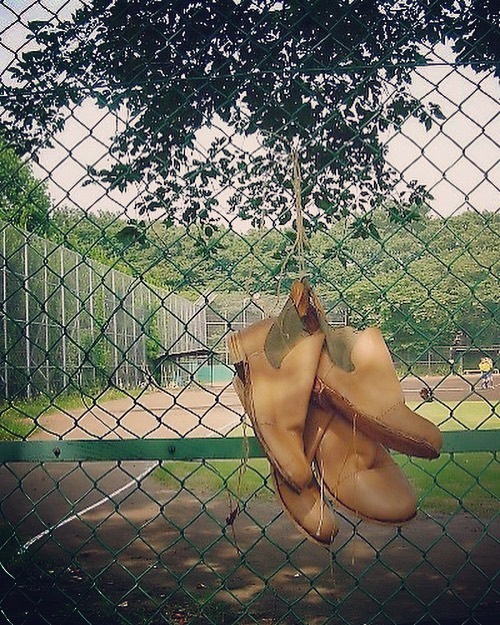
<point x="148" y="208"/>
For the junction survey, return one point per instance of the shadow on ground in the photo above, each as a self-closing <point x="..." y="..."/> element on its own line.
<point x="182" y="564"/>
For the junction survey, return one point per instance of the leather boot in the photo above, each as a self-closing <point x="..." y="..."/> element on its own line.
<point x="309" y="511"/>
<point x="356" y="377"/>
<point x="356" y="471"/>
<point x="276" y="360"/>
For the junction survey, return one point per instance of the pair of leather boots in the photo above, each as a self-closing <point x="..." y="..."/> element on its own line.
<point x="325" y="404"/>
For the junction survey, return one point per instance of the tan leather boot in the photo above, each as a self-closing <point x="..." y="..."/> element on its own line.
<point x="276" y="360"/>
<point x="356" y="471"/>
<point x="356" y="377"/>
<point x="309" y="511"/>
<point x="352" y="470"/>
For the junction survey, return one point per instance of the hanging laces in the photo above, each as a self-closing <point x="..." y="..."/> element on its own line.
<point x="300" y="243"/>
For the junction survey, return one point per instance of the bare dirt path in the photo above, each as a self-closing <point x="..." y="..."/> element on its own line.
<point x="203" y="411"/>
<point x="166" y="413"/>
<point x="153" y="546"/>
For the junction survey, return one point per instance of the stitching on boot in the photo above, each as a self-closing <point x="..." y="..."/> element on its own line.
<point x="400" y="433"/>
<point x="257" y="352"/>
<point x="392" y="407"/>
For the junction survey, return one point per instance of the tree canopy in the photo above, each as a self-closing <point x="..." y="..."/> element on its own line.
<point x="327" y="78"/>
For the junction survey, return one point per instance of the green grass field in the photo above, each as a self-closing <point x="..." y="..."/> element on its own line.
<point x="449" y="416"/>
<point x="462" y="480"/>
<point x="454" y="415"/>
<point x="18" y="419"/>
<point x="468" y="481"/>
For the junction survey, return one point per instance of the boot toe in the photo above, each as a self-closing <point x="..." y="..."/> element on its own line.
<point x="383" y="495"/>
<point x="416" y="435"/>
<point x="361" y="475"/>
<point x="308" y="511"/>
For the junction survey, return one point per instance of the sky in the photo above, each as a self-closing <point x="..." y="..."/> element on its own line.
<point x="458" y="161"/>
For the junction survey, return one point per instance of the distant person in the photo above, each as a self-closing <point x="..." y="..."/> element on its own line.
<point x="486" y="368"/>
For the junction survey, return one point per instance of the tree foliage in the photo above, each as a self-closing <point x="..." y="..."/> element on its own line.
<point x="24" y="200"/>
<point x="421" y="283"/>
<point x="328" y="78"/>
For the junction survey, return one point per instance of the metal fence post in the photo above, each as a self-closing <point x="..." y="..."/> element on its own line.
<point x="27" y="327"/>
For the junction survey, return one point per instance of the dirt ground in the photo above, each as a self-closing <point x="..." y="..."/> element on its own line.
<point x="211" y="410"/>
<point x="110" y="544"/>
<point x="143" y="556"/>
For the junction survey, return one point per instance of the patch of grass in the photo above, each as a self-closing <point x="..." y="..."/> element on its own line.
<point x="244" y="480"/>
<point x="18" y="418"/>
<point x="451" y="415"/>
<point x="461" y="415"/>
<point x="468" y="481"/>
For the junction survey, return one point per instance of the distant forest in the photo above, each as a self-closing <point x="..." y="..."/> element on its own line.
<point x="423" y="283"/>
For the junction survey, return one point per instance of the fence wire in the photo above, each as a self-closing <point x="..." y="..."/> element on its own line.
<point x="148" y="208"/>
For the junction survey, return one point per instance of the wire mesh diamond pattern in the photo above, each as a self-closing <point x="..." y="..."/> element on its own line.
<point x="148" y="208"/>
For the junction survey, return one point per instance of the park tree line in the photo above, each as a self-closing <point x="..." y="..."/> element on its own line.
<point x="421" y="283"/>
<point x="423" y="280"/>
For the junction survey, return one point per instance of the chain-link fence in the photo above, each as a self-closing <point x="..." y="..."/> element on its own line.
<point x="166" y="171"/>
<point x="74" y="323"/>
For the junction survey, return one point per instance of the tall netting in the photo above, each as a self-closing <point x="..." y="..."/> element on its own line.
<point x="167" y="170"/>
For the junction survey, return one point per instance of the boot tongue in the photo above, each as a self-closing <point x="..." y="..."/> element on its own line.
<point x="297" y="320"/>
<point x="339" y="341"/>
<point x="303" y="315"/>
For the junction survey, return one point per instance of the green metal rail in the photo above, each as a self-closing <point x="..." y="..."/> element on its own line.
<point x="191" y="448"/>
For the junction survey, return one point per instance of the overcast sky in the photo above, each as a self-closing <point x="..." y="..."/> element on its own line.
<point x="458" y="161"/>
